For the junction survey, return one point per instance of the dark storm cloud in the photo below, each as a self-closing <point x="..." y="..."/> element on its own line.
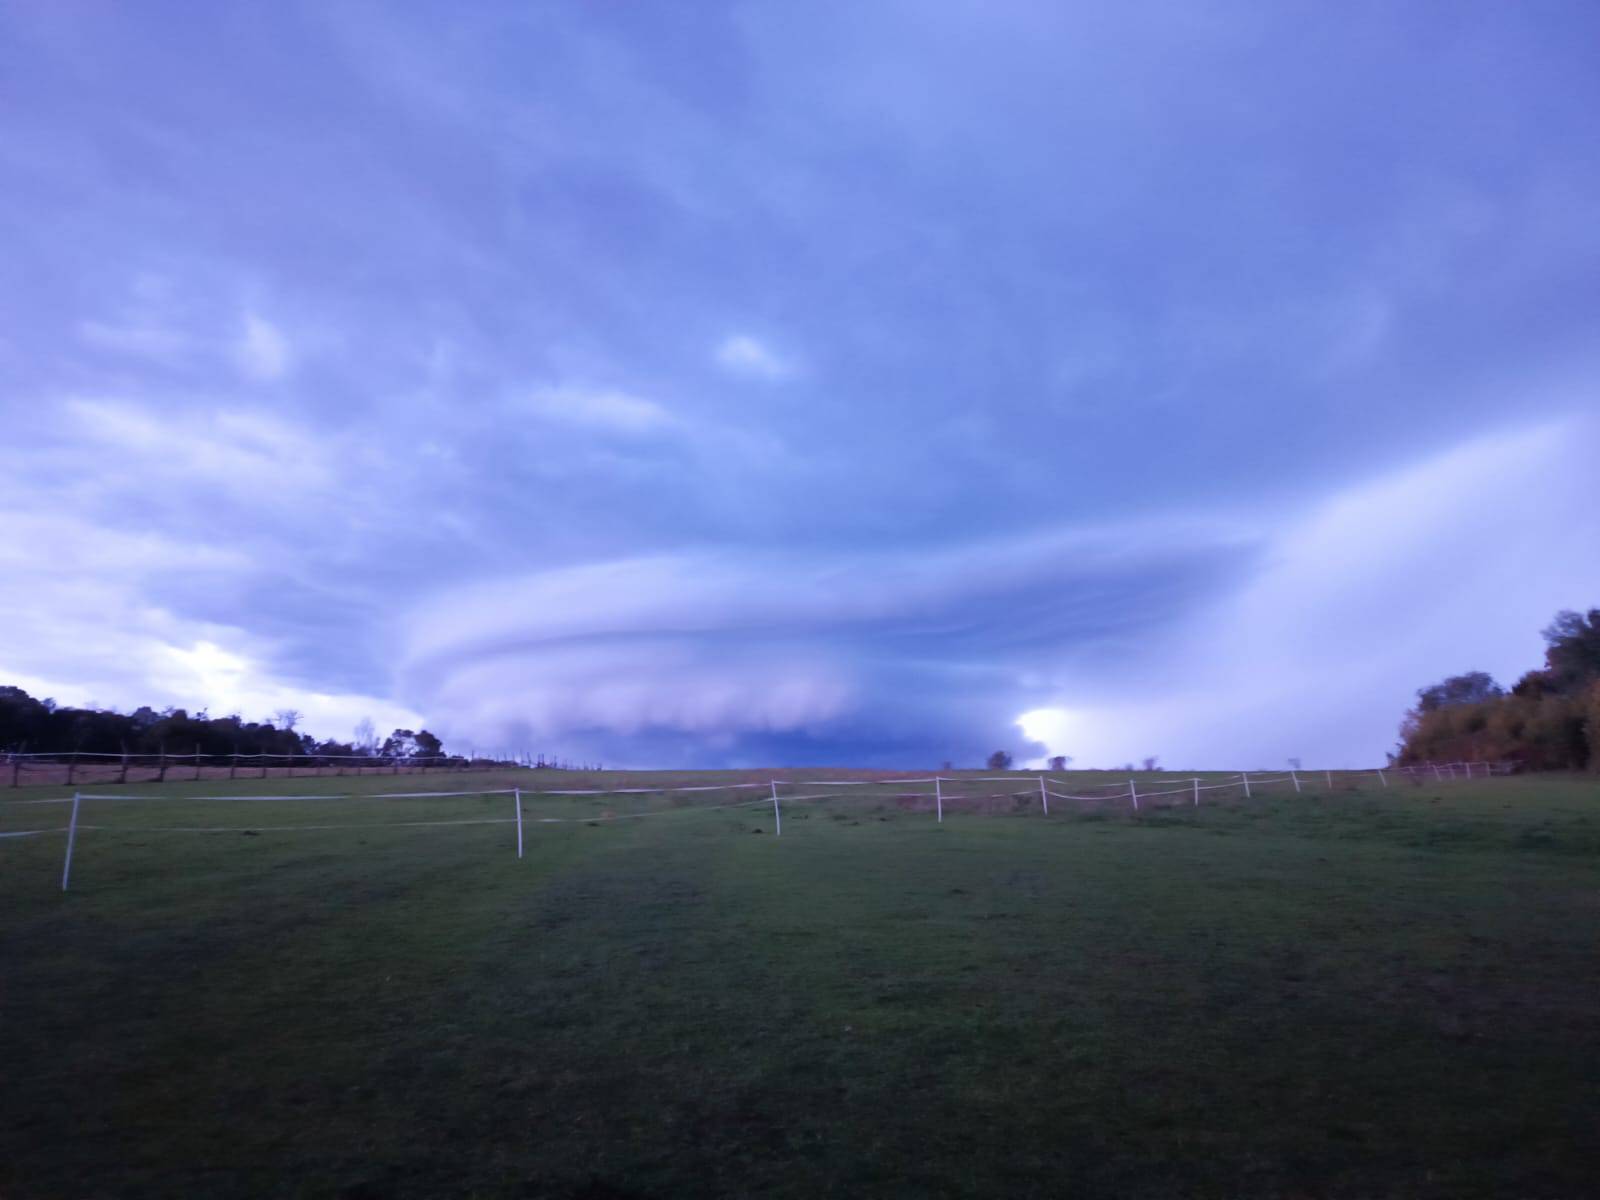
<point x="332" y="333"/>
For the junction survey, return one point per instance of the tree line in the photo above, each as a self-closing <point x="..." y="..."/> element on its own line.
<point x="1549" y="720"/>
<point x="44" y="726"/>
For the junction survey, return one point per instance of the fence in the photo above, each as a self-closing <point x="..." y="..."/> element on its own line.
<point x="955" y="792"/>
<point x="88" y="767"/>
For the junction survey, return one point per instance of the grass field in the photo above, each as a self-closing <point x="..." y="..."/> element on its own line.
<point x="1357" y="993"/>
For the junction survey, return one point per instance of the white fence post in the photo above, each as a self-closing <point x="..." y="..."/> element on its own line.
<point x="1133" y="791"/>
<point x="1296" y="779"/>
<point x="1381" y="778"/>
<point x="1044" y="796"/>
<point x="1330" y="780"/>
<point x="517" y="792"/>
<point x="1244" y="778"/>
<point x="1197" y="793"/>
<point x="72" y="836"/>
<point x="938" y="798"/>
<point x="777" y="817"/>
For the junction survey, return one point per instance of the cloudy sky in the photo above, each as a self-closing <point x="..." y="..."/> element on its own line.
<point x="749" y="383"/>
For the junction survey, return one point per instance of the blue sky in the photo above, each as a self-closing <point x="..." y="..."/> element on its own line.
<point x="715" y="384"/>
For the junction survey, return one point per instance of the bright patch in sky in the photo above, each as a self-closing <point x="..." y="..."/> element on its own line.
<point x="262" y="351"/>
<point x="746" y="356"/>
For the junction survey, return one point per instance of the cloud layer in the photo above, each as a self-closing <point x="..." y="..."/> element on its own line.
<point x="726" y="383"/>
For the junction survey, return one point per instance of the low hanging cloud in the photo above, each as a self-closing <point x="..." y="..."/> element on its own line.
<point x="892" y="658"/>
<point x="1206" y="642"/>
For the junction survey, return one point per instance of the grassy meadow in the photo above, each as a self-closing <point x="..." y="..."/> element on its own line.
<point x="1360" y="992"/>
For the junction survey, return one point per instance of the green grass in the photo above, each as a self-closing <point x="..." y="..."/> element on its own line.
<point x="1357" y="994"/>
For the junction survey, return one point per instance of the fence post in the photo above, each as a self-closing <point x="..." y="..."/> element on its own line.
<point x="16" y="765"/>
<point x="1133" y="791"/>
<point x="161" y="776"/>
<point x="1197" y="793"/>
<point x="72" y="766"/>
<point x="517" y="792"/>
<point x="1044" y="796"/>
<point x="263" y="765"/>
<point x="1296" y="779"/>
<point x="123" y="777"/>
<point x="1330" y="779"/>
<point x="938" y="798"/>
<point x="233" y="766"/>
<point x="1381" y="778"/>
<point x="197" y="760"/>
<point x="72" y="836"/>
<point x="777" y="817"/>
<point x="1245" y="779"/>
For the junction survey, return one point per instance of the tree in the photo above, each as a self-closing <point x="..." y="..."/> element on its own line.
<point x="286" y="719"/>
<point x="426" y="745"/>
<point x="1572" y="649"/>
<point x="1150" y="763"/>
<point x="1591" y="725"/>
<point x="366" y="736"/>
<point x="1546" y="722"/>
<point x="1000" y="761"/>
<point x="1058" y="762"/>
<point x="1294" y="764"/>
<point x="1472" y="688"/>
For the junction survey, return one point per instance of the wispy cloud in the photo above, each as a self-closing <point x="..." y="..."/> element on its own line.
<point x="157" y="343"/>
<point x="603" y="410"/>
<point x="237" y="449"/>
<point x="262" y="351"/>
<point x="741" y="354"/>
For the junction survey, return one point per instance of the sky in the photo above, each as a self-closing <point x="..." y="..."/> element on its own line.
<point x="708" y="384"/>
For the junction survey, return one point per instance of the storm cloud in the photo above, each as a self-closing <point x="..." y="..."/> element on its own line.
<point x="734" y="384"/>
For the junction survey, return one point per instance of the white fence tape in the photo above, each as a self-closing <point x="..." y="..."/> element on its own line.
<point x="139" y="829"/>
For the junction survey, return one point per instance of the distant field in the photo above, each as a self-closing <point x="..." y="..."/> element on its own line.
<point x="1346" y="993"/>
